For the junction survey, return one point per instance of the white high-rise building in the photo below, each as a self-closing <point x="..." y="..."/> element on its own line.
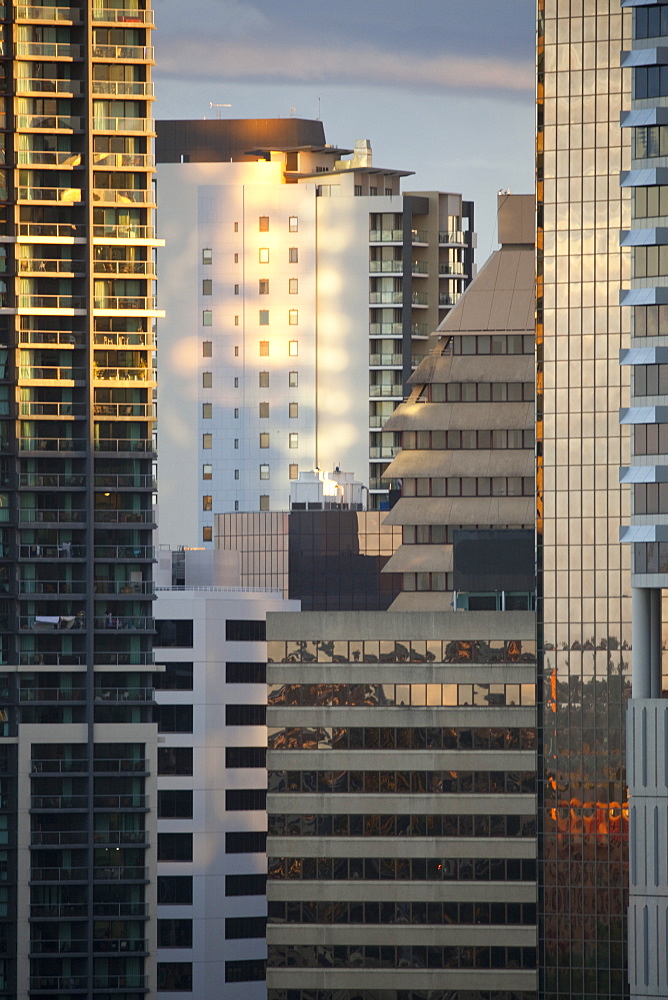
<point x="301" y="286"/>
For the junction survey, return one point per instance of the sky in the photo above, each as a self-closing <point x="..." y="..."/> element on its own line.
<point x="441" y="87"/>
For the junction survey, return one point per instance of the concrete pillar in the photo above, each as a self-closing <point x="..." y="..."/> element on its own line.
<point x="646" y="634"/>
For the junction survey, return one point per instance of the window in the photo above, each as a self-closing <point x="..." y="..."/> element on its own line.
<point x="245" y="630"/>
<point x="236" y="289"/>
<point x="293" y="348"/>
<point x="264" y="380"/>
<point x="245" y="927"/>
<point x="293" y="317"/>
<point x="264" y="472"/>
<point x="174" y="718"/>
<point x="207" y="442"/>
<point x="293" y="379"/>
<point x="207" y="411"/>
<point x="264" y="348"/>
<point x="207" y="380"/>
<point x="236" y="473"/>
<point x="175" y="761"/>
<point x="247" y="970"/>
<point x="175" y="803"/>
<point x="264" y="317"/>
<point x="293" y="255"/>
<point x="358" y="190"/>
<point x="293" y="410"/>
<point x="207" y="533"/>
<point x="175" y="847"/>
<point x="207" y="286"/>
<point x="373" y="190"/>
<point x="236" y="227"/>
<point x="388" y="192"/>
<point x="236" y="382"/>
<point x="175" y="933"/>
<point x="236" y="442"/>
<point x="236" y="323"/>
<point x="264" y="501"/>
<point x="236" y="502"/>
<point x="207" y="503"/>
<point x="264" y="224"/>
<point x="264" y="410"/>
<point x="207" y="256"/>
<point x="293" y="224"/>
<point x="177" y="676"/>
<point x="293" y="472"/>
<point x="245" y="885"/>
<point x="172" y="632"/>
<point x="293" y="286"/>
<point x="207" y="348"/>
<point x="175" y="976"/>
<point x="245" y="756"/>
<point x="263" y="255"/>
<point x="236" y="258"/>
<point x="293" y="440"/>
<point x="236" y="350"/>
<point x="245" y="673"/>
<point x="236" y="412"/>
<point x="247" y="842"/>
<point x="264" y="440"/>
<point x="207" y="318"/>
<point x="207" y="472"/>
<point x="175" y="890"/>
<point x="264" y="286"/>
<point x="242" y="799"/>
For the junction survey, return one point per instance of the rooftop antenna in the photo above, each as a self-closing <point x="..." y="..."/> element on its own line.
<point x="218" y="107"/>
<point x="293" y="112"/>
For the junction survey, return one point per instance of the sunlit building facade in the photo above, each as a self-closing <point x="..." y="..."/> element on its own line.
<point x="585" y="605"/>
<point x="76" y="315"/>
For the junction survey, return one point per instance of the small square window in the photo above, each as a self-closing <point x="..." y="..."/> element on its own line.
<point x="236" y="381"/>
<point x="293" y="348"/>
<point x="207" y="472"/>
<point x="293" y="317"/>
<point x="264" y="348"/>
<point x="207" y="411"/>
<point x="236" y="350"/>
<point x="293" y="224"/>
<point x="236" y="473"/>
<point x="388" y="192"/>
<point x="207" y="503"/>
<point x="207" y="533"/>
<point x="293" y="379"/>
<point x="264" y="502"/>
<point x="264" y="440"/>
<point x="207" y="256"/>
<point x="236" y="289"/>
<point x="236" y="412"/>
<point x="293" y="472"/>
<point x="207" y="441"/>
<point x="264" y="317"/>
<point x="293" y="286"/>
<point x="207" y="287"/>
<point x="293" y="440"/>
<point x="263" y="255"/>
<point x="236" y="258"/>
<point x="264" y="380"/>
<point x="264" y="410"/>
<point x="373" y="190"/>
<point x="293" y="409"/>
<point x="293" y="255"/>
<point x="264" y="472"/>
<point x="358" y="190"/>
<point x="264" y="286"/>
<point x="207" y="380"/>
<point x="207" y="318"/>
<point x="207" y="348"/>
<point x="264" y="223"/>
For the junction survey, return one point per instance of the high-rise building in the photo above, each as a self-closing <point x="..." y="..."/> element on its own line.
<point x="585" y="604"/>
<point x="304" y="285"/>
<point x="77" y="312"/>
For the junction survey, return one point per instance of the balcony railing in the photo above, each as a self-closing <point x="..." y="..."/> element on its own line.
<point x="453" y="267"/>
<point x="69" y="123"/>
<point x="128" y="981"/>
<point x="63" y="87"/>
<point x="124" y="444"/>
<point x="121" y="587"/>
<point x="123" y="374"/>
<point x="52" y="586"/>
<point x="122" y="15"/>
<point x="63" y="910"/>
<point x="396" y="390"/>
<point x="419" y="299"/>
<point x="58" y="874"/>
<point x="52" y="444"/>
<point x="123" y="409"/>
<point x="125" y="659"/>
<point x="123" y="945"/>
<point x="130" y="801"/>
<point x="65" y="983"/>
<point x="448" y="300"/>
<point x="391" y="452"/>
<point x="125" y="302"/>
<point x="66" y="337"/>
<point x="124" y="837"/>
<point x="123" y="196"/>
<point x="419" y="267"/>
<point x="124" y="267"/>
<point x="120" y="909"/>
<point x="133" y="160"/>
<point x="419" y="236"/>
<point x="59" y="802"/>
<point x="50" y="265"/>
<point x="50" y="623"/>
<point x="49" y="765"/>
<point x="386" y="235"/>
<point x="47" y="158"/>
<point x="143" y="552"/>
<point x="63" y="229"/>
<point x="57" y="838"/>
<point x="59" y="946"/>
<point x="57" y="194"/>
<point x="52" y="302"/>
<point x="126" y="694"/>
<point x="386" y="266"/>
<point x="126" y="481"/>
<point x="124" y="516"/>
<point x="376" y="483"/>
<point x="385" y="329"/>
<point x="419" y="330"/>
<point x="51" y="479"/>
<point x="386" y="359"/>
<point x="124" y="232"/>
<point x="141" y="339"/>
<point x="50" y="552"/>
<point x="52" y="409"/>
<point x="101" y="124"/>
<point x="50" y="659"/>
<point x="123" y="88"/>
<point x="452" y="236"/>
<point x="48" y="50"/>
<point x="118" y="765"/>
<point x="124" y="52"/>
<point x="376" y="421"/>
<point x="24" y="12"/>
<point x="32" y="694"/>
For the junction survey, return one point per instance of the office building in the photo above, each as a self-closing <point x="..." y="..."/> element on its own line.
<point x="211" y="871"/>
<point x="77" y="312"/>
<point x="585" y="605"/>
<point x="304" y="285"/>
<point x="646" y="531"/>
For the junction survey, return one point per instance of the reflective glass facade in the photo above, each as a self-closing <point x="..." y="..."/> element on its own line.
<point x="584" y="611"/>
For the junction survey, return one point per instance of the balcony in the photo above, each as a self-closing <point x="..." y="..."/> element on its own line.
<point x="123" y="588"/>
<point x="55" y="694"/>
<point x="125" y="552"/>
<point x="132" y="160"/>
<point x="124" y="303"/>
<point x="47" y="158"/>
<point x="50" y="623"/>
<point x="120" y="765"/>
<point x="51" y="588"/>
<point x="52" y="552"/>
<point x="121" y="696"/>
<point x="120" y="910"/>
<point x="52" y="444"/>
<point x="386" y="329"/>
<point x="124" y="444"/>
<point x="123" y="374"/>
<point x="123" y="946"/>
<point x="448" y="300"/>
<point x="386" y="298"/>
<point x="52" y="409"/>
<point x="419" y="299"/>
<point x="67" y="123"/>
<point x="58" y="229"/>
<point x="122" y="15"/>
<point x="386" y="360"/>
<point x="58" y="874"/>
<point x="124" y="267"/>
<point x="59" y="946"/>
<point x="395" y="391"/>
<point x="419" y="330"/>
<point x="124" y="517"/>
<point x="376" y="422"/>
<point x="58" y="910"/>
<point x="60" y="87"/>
<point x="452" y="237"/>
<point x="420" y="267"/>
<point x="123" y="410"/>
<point x="50" y="265"/>
<point x="376" y="483"/>
<point x="52" y="302"/>
<point x="392" y="452"/>
<point x="58" y="195"/>
<point x="64" y="338"/>
<point x="386" y="266"/>
<point x="452" y="268"/>
<point x="101" y="124"/>
<point x="124" y="659"/>
<point x="140" y="339"/>
<point x="386" y="236"/>
<point x="62" y="983"/>
<point x="124" y="196"/>
<point x="123" y="88"/>
<point x="58" y="838"/>
<point x="124" y="53"/>
<point x="54" y="515"/>
<point x="58" y="802"/>
<point x="23" y="12"/>
<point x="128" y="981"/>
<point x="124" y="232"/>
<point x="124" y="838"/>
<point x="48" y="50"/>
<point x="69" y="765"/>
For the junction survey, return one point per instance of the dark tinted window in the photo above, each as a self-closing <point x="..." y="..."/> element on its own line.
<point x="175" y="847"/>
<point x="245" y="927"/>
<point x="245" y="715"/>
<point x="245" y="756"/>
<point x="175" y="760"/>
<point x="247" y="842"/>
<point x="174" y="718"/>
<point x="175" y="803"/>
<point x="173" y="632"/>
<point x="245" y="673"/>
<point x="175" y="933"/>
<point x="175" y="976"/>
<point x="175" y="889"/>
<point x="245" y="631"/>
<point x="176" y="677"/>
<point x="245" y="885"/>
<point x="238" y="799"/>
<point x="247" y="971"/>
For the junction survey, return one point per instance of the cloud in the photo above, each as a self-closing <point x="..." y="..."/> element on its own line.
<point x="342" y="64"/>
